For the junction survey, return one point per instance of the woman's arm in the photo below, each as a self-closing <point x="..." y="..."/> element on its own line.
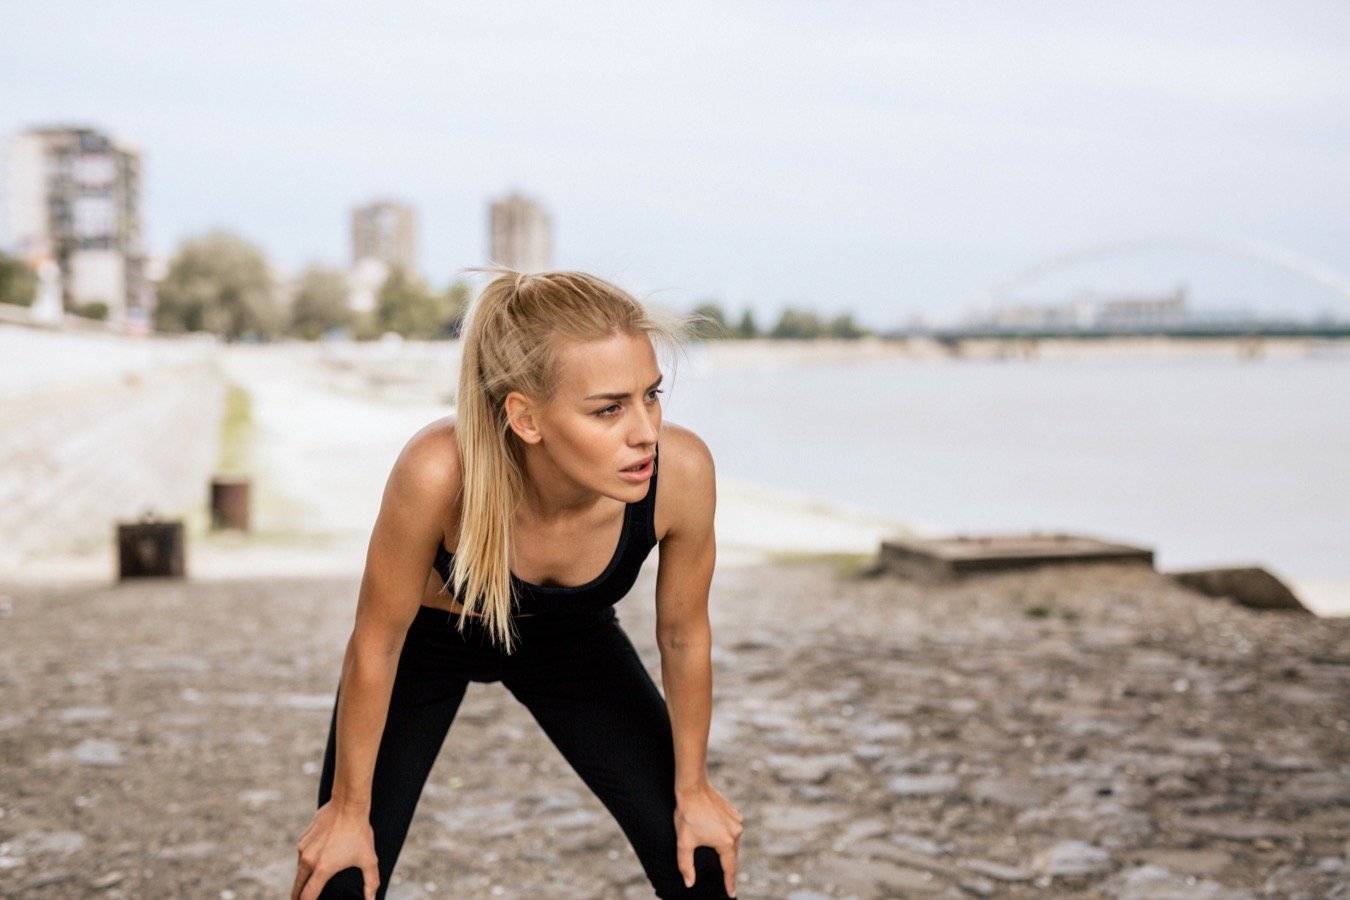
<point x="688" y="554"/>
<point x="402" y="547"/>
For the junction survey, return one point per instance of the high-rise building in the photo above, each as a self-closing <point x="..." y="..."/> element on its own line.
<point x="385" y="231"/>
<point x="520" y="234"/>
<point x="73" y="197"/>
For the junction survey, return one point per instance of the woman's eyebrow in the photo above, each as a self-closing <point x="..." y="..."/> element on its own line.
<point x="622" y="394"/>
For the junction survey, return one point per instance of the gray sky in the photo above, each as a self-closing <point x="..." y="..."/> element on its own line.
<point x="884" y="158"/>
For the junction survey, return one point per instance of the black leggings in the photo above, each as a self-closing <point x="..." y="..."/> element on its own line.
<point x="583" y="682"/>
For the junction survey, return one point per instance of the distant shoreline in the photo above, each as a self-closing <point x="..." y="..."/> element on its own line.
<point x="758" y="351"/>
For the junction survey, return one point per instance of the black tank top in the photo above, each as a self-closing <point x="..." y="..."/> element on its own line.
<point x="635" y="543"/>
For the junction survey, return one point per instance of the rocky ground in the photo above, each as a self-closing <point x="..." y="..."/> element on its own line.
<point x="1084" y="731"/>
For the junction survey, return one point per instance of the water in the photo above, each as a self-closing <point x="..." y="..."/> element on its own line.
<point x="1209" y="461"/>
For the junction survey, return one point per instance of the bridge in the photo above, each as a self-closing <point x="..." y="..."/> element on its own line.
<point x="1293" y="262"/>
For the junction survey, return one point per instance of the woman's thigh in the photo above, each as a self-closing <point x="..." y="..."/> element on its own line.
<point x="428" y="687"/>
<point x="600" y="708"/>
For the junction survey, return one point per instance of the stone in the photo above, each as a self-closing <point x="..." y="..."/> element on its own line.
<point x="1150" y="882"/>
<point x="886" y="850"/>
<point x="1069" y="859"/>
<point x="865" y="877"/>
<point x="1249" y="586"/>
<point x="996" y="870"/>
<point x="257" y="798"/>
<point x="1208" y="861"/>
<point x="44" y="843"/>
<point x="904" y="786"/>
<point x="780" y="817"/>
<point x="196" y="850"/>
<point x="1014" y="792"/>
<point x="1233" y="829"/>
<point x="783" y="846"/>
<point x="82" y="714"/>
<point x="1317" y="789"/>
<point x="808" y="769"/>
<point x="107" y="880"/>
<point x="859" y="830"/>
<point x="97" y="752"/>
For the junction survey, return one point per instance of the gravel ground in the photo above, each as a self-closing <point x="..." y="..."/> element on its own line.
<point x="1078" y="731"/>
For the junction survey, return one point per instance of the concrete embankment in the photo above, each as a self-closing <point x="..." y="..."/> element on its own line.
<point x="96" y="429"/>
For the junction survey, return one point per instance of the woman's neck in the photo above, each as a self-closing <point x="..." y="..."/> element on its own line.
<point x="549" y="496"/>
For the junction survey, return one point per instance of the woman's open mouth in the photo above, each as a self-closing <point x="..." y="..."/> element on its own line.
<point x="640" y="471"/>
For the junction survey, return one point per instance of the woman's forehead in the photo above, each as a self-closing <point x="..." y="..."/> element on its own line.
<point x="608" y="364"/>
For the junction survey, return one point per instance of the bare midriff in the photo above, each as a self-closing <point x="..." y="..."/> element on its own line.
<point x="435" y="595"/>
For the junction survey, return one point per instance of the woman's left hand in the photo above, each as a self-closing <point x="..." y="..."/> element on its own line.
<point x="704" y="818"/>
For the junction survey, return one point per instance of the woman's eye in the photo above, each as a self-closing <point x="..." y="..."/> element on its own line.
<point x="608" y="410"/>
<point x="654" y="393"/>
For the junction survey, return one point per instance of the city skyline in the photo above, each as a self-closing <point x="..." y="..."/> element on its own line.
<point x="880" y="159"/>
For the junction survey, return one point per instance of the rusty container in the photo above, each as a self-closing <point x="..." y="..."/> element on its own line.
<point x="229" y="503"/>
<point x="150" y="548"/>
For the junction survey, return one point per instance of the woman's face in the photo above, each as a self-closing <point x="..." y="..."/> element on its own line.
<point x="601" y="426"/>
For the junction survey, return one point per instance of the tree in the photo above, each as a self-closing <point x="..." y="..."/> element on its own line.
<point x="457" y="297"/>
<point x="796" y="324"/>
<point x="405" y="305"/>
<point x="18" y="283"/>
<point x="320" y="303"/>
<point x="94" y="309"/>
<point x="747" y="328"/>
<point x="843" y="326"/>
<point x="709" y="322"/>
<point x="218" y="283"/>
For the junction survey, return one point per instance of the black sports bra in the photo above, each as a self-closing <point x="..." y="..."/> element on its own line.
<point x="636" y="541"/>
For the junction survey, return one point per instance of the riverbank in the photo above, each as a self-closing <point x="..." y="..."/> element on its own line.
<point x="316" y="428"/>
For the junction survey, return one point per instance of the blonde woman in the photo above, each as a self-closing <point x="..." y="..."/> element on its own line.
<point x="503" y="541"/>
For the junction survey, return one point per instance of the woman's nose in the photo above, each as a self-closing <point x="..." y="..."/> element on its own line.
<point x="646" y="429"/>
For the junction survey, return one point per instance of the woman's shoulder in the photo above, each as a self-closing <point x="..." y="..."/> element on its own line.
<point x="686" y="483"/>
<point x="429" y="463"/>
<point x="684" y="456"/>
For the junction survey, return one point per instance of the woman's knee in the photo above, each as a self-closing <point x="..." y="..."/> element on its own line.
<point x="348" y="884"/>
<point x="709" y="880"/>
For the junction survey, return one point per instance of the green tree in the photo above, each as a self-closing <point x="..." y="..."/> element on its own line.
<point x="93" y="309"/>
<point x="18" y="283"/>
<point x="709" y="322"/>
<point x="218" y="283"/>
<point x="747" y="327"/>
<point x="405" y="305"/>
<point x="320" y="303"/>
<point x="843" y="326"/>
<point x="796" y="324"/>
<point x="457" y="297"/>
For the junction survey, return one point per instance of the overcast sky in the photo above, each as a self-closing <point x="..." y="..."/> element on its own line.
<point x="880" y="157"/>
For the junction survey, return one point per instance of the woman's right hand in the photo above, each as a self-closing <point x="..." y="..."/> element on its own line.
<point x="337" y="838"/>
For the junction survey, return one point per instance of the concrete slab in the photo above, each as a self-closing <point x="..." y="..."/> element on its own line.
<point x="944" y="558"/>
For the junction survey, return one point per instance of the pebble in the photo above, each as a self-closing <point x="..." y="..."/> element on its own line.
<point x="808" y="769"/>
<point x="905" y="786"/>
<point x="44" y="843"/>
<point x="97" y="752"/>
<point x="83" y="714"/>
<point x="1072" y="859"/>
<point x="1151" y="882"/>
<point x="996" y="870"/>
<point x="1016" y="793"/>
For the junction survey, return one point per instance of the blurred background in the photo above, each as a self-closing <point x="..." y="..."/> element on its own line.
<point x="962" y="267"/>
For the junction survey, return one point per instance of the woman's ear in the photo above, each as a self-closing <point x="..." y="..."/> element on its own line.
<point x="520" y="416"/>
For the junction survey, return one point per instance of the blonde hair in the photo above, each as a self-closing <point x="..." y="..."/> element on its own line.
<point x="512" y="338"/>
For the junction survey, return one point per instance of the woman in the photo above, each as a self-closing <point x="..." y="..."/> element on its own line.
<point x="483" y="567"/>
